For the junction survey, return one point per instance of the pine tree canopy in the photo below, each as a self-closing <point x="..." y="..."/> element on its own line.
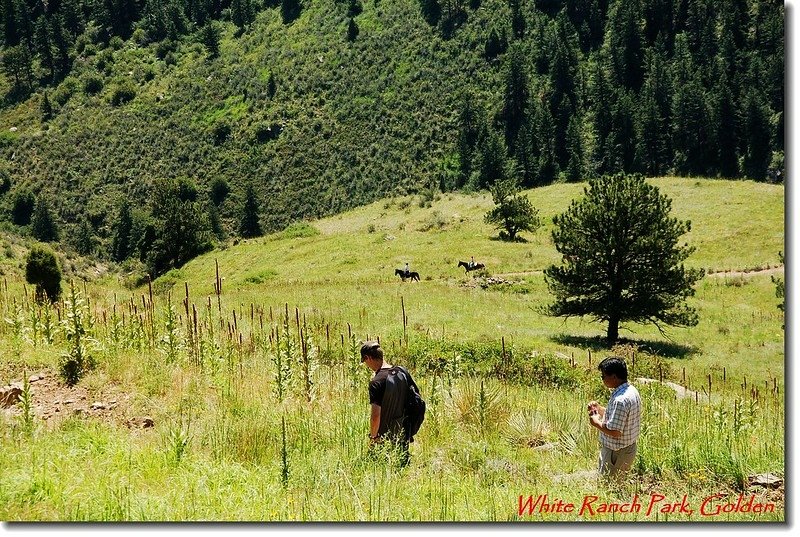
<point x="621" y="257"/>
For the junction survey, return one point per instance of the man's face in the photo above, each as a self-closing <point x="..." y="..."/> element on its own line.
<point x="609" y="381"/>
<point x="368" y="361"/>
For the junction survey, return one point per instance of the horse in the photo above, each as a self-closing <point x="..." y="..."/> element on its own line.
<point x="403" y="275"/>
<point x="467" y="268"/>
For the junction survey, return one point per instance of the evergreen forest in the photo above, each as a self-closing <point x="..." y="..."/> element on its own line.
<point x="148" y="131"/>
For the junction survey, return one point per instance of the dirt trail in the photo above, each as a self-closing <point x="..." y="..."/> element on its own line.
<point x="718" y="274"/>
<point x="743" y="273"/>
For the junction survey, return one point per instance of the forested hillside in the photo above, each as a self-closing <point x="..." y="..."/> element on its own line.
<point x="149" y="129"/>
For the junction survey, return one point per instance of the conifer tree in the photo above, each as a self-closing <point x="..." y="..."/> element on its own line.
<point x="602" y="96"/>
<point x="624" y="43"/>
<point x="621" y="260"/>
<point x="180" y="227"/>
<point x="249" y="225"/>
<point x="43" y="225"/>
<point x="61" y="45"/>
<point x="242" y="13"/>
<point x="11" y="36"/>
<point x="210" y="36"/>
<point x="352" y="30"/>
<point x="652" y="118"/>
<point x="44" y="46"/>
<point x="121" y="241"/>
<point x="756" y="135"/>
<point x="46" y="108"/>
<point x="513" y="211"/>
<point x="526" y="151"/>
<point x="470" y="125"/>
<point x="518" y="25"/>
<point x="489" y="162"/>
<point x="547" y="169"/>
<point x="575" y="168"/>
<point x="431" y="11"/>
<point x="84" y="238"/>
<point x="290" y="10"/>
<point x="496" y="44"/>
<point x="516" y="94"/>
<point x="726" y="129"/>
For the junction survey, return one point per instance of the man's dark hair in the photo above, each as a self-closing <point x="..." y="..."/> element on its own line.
<point x="614" y="365"/>
<point x="372" y="349"/>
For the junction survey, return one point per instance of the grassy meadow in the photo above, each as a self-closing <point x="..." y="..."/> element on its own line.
<point x="258" y="402"/>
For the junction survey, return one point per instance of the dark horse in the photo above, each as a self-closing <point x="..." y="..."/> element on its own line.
<point x="466" y="266"/>
<point x="403" y="274"/>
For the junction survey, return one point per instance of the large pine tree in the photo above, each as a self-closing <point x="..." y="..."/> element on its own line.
<point x="621" y="259"/>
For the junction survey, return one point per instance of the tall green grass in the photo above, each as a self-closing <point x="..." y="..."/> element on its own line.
<point x="227" y="445"/>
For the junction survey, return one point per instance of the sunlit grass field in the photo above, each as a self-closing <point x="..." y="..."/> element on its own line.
<point x="259" y="402"/>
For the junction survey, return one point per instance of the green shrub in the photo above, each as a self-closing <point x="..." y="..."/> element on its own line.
<point x="22" y="207"/>
<point x="220" y="133"/>
<point x="165" y="283"/>
<point x="261" y="277"/>
<point x="65" y="90"/>
<point x="122" y="93"/>
<point x="297" y="230"/>
<point x="165" y="47"/>
<point x="5" y="181"/>
<point x="43" y="271"/>
<point x="92" y="85"/>
<point x="219" y="190"/>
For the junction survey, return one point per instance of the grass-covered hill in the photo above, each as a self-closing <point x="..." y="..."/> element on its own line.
<point x="320" y="117"/>
<point x="342" y="267"/>
<point x="218" y="407"/>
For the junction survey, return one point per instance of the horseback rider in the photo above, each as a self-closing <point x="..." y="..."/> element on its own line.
<point x="472" y="262"/>
<point x="407" y="270"/>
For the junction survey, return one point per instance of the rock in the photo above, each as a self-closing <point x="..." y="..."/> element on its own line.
<point x="769" y="481"/>
<point x="546" y="447"/>
<point x="97" y="405"/>
<point x="35" y="378"/>
<point x="69" y="401"/>
<point x="10" y="396"/>
<point x="145" y="422"/>
<point x="681" y="392"/>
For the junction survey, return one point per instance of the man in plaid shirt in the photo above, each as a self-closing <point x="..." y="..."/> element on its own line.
<point x="619" y="423"/>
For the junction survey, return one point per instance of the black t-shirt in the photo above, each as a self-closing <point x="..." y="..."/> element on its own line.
<point x="392" y="409"/>
<point x="377" y="386"/>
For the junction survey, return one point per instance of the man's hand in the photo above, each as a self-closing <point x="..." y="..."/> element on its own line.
<point x="595" y="420"/>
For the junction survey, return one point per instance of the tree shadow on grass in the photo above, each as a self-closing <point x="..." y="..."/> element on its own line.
<point x="664" y="349"/>
<point x="503" y="237"/>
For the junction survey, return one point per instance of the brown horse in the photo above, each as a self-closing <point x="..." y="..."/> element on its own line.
<point x="403" y="274"/>
<point x="467" y="268"/>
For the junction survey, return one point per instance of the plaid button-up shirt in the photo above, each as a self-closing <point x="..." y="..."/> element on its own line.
<point x="623" y="413"/>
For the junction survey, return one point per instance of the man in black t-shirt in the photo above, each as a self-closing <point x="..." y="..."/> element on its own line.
<point x="387" y="406"/>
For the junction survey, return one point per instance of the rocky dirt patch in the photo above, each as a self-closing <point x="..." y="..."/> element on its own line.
<point x="52" y="401"/>
<point x="485" y="282"/>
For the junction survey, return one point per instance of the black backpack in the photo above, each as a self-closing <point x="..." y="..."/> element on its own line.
<point x="415" y="407"/>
